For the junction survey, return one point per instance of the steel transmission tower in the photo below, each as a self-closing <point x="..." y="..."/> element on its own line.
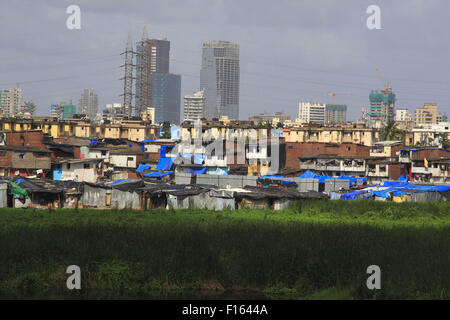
<point x="142" y="102"/>
<point x="128" y="79"/>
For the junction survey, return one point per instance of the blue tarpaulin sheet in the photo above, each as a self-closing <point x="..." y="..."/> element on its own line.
<point x="402" y="178"/>
<point x="381" y="194"/>
<point x="349" y="196"/>
<point x="163" y="150"/>
<point x="142" y="167"/>
<point x="196" y="171"/>
<point x="220" y="172"/>
<point x="157" y="174"/>
<point x="308" y="174"/>
<point x="164" y="164"/>
<point x="311" y="175"/>
<point x="323" y="178"/>
<point x="271" y="177"/>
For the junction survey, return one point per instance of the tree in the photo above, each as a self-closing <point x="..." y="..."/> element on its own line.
<point x="165" y="130"/>
<point x="390" y="132"/>
<point x="166" y="135"/>
<point x="443" y="140"/>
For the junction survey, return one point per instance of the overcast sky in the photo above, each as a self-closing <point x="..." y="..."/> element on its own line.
<point x="290" y="51"/>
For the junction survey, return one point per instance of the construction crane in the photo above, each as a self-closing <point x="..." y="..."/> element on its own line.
<point x="333" y="94"/>
<point x="387" y="85"/>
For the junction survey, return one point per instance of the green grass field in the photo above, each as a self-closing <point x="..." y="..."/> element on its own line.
<point x="314" y="250"/>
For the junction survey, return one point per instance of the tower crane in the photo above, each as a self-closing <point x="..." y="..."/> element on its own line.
<point x="333" y="94"/>
<point x="387" y="85"/>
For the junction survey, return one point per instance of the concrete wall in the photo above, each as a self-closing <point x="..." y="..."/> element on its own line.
<point x="207" y="179"/>
<point x="305" y="184"/>
<point x="182" y="178"/>
<point x="332" y="185"/>
<point x="249" y="181"/>
<point x="120" y="160"/>
<point x="233" y="181"/>
<point x="30" y="160"/>
<point x="77" y="170"/>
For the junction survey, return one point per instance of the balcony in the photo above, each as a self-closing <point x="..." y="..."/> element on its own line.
<point x="421" y="170"/>
<point x="354" y="168"/>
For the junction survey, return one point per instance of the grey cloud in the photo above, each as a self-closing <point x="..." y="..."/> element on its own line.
<point x="321" y="41"/>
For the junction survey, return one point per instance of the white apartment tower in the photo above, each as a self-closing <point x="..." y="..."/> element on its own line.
<point x="194" y="106"/>
<point x="402" y="114"/>
<point x="10" y="101"/>
<point x="311" y="112"/>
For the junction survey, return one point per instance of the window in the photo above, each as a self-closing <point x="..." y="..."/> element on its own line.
<point x="68" y="166"/>
<point x="348" y="148"/>
<point x="3" y="153"/>
<point x="87" y="166"/>
<point x="130" y="159"/>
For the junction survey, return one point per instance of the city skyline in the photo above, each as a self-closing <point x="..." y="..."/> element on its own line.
<point x="295" y="65"/>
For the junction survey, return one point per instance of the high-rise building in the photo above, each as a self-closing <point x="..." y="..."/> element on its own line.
<point x="335" y="113"/>
<point x="219" y="78"/>
<point x="114" y="111"/>
<point x="166" y="97"/>
<point x="311" y="112"/>
<point x="402" y="114"/>
<point x="149" y="115"/>
<point x="68" y="110"/>
<point x="156" y="87"/>
<point x="88" y="103"/>
<point x="381" y="106"/>
<point x="194" y="106"/>
<point x="28" y="107"/>
<point x="56" y="110"/>
<point x="10" y="101"/>
<point x="426" y="115"/>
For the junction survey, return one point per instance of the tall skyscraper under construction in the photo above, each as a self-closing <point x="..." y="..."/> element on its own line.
<point x="382" y="104"/>
<point x="156" y="87"/>
<point x="219" y="79"/>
